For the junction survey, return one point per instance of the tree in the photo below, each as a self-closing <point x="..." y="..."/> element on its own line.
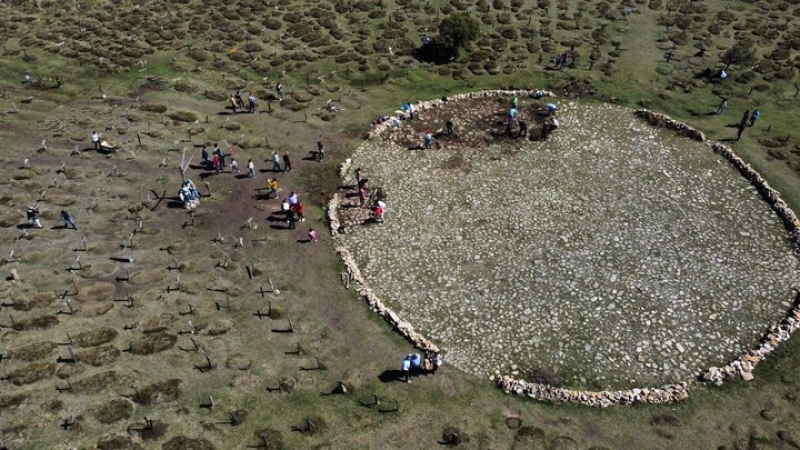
<point x="459" y="29"/>
<point x="741" y="52"/>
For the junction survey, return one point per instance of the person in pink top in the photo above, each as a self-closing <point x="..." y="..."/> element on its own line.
<point x="312" y="235"/>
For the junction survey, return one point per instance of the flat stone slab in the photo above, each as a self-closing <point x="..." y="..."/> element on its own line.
<point x="614" y="254"/>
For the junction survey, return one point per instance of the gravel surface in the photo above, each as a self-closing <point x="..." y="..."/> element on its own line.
<point x="612" y="254"/>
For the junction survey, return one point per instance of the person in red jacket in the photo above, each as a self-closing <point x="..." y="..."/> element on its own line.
<point x="298" y="209"/>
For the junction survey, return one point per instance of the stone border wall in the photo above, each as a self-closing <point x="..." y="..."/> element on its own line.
<point x="741" y="367"/>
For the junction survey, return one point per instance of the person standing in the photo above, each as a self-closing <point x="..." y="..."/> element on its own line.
<point x="406" y="367"/>
<point x="450" y="130"/>
<point x="251" y="169"/>
<point x="312" y="235"/>
<point x="96" y="140"/>
<point x="67" y="219"/>
<point x="218" y="152"/>
<point x="276" y="162"/>
<point x="745" y="116"/>
<point x="293" y="199"/>
<point x="320" y="151"/>
<point x="753" y="117"/>
<point x="722" y="106"/>
<point x="33" y="217"/>
<point x="272" y="183"/>
<point x="298" y="209"/>
<point x="217" y="164"/>
<point x="279" y="91"/>
<point x="251" y="100"/>
<point x="410" y="111"/>
<point x="290" y="218"/>
<point x="428" y="139"/>
<point x="234" y="166"/>
<point x="523" y="128"/>
<point x="287" y="163"/>
<point x="204" y="156"/>
<point x="362" y="195"/>
<point x="359" y="176"/>
<point x="515" y="102"/>
<point x="742" y="126"/>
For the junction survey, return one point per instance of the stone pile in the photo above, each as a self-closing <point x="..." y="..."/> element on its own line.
<point x="596" y="399"/>
<point x="662" y="120"/>
<point x="438" y="103"/>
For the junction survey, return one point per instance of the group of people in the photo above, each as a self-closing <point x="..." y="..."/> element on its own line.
<point x="189" y="195"/>
<point x="237" y="102"/>
<point x="413" y="364"/>
<point x="378" y="205"/>
<point x="747" y="117"/>
<point x="35" y="221"/>
<point x="217" y="159"/>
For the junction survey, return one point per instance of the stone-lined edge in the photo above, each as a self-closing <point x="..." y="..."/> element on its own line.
<point x="741" y="367"/>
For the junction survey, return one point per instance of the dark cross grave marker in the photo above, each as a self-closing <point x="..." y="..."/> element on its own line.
<point x="126" y="277"/>
<point x="319" y="366"/>
<point x="68" y="343"/>
<point x="297" y="351"/>
<point x="69" y="422"/>
<point x="73" y="358"/>
<point x="187" y="313"/>
<point x="208" y="366"/>
<point x="148" y="425"/>
<point x="191" y="330"/>
<point x="12" y="322"/>
<point x="68" y="304"/>
<point x="174" y="266"/>
<point x="83" y="241"/>
<point x="290" y="329"/>
<point x="128" y="327"/>
<point x="73" y="268"/>
<point x="195" y="349"/>
<point x="7" y="304"/>
<point x="391" y="410"/>
<point x="376" y="401"/>
<point x="209" y="405"/>
<point x="170" y="288"/>
<point x="226" y="306"/>
<point x="129" y="349"/>
<point x="69" y="387"/>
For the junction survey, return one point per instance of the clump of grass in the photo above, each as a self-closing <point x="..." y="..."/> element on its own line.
<point x="99" y="356"/>
<point x="118" y="441"/>
<point x="153" y="343"/>
<point x="97" y="382"/>
<point x="183" y="116"/>
<point x="31" y="373"/>
<point x="34" y="351"/>
<point x="153" y="107"/>
<point x="36" y="323"/>
<point x="183" y="443"/>
<point x="159" y="392"/>
<point x="94" y="337"/>
<point x="238" y="362"/>
<point x="114" y="411"/>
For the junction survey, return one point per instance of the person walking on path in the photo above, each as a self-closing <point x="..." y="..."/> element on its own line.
<point x="287" y="163"/>
<point x="722" y="106"/>
<point x="276" y="162"/>
<point x="753" y="117"/>
<point x="272" y="183"/>
<point x="67" y="219"/>
<point x="406" y="367"/>
<point x="252" y="102"/>
<point x="96" y="140"/>
<point x="234" y="166"/>
<point x="251" y="169"/>
<point x="515" y="102"/>
<point x="312" y="235"/>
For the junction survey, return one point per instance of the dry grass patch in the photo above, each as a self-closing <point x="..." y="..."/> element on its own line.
<point x="94" y="337"/>
<point x="153" y="343"/>
<point x="159" y="392"/>
<point x="99" y="356"/>
<point x="31" y="373"/>
<point x="34" y="351"/>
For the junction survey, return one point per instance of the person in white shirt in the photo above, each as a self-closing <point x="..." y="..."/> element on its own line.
<point x="96" y="140"/>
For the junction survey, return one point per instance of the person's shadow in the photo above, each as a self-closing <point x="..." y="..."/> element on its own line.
<point x="389" y="376"/>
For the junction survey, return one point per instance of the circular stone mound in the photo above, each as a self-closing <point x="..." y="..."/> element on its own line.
<point x="612" y="255"/>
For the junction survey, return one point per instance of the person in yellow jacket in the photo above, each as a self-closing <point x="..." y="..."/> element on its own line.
<point x="272" y="183"/>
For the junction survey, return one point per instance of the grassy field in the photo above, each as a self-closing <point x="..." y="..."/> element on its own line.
<point x="162" y="73"/>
